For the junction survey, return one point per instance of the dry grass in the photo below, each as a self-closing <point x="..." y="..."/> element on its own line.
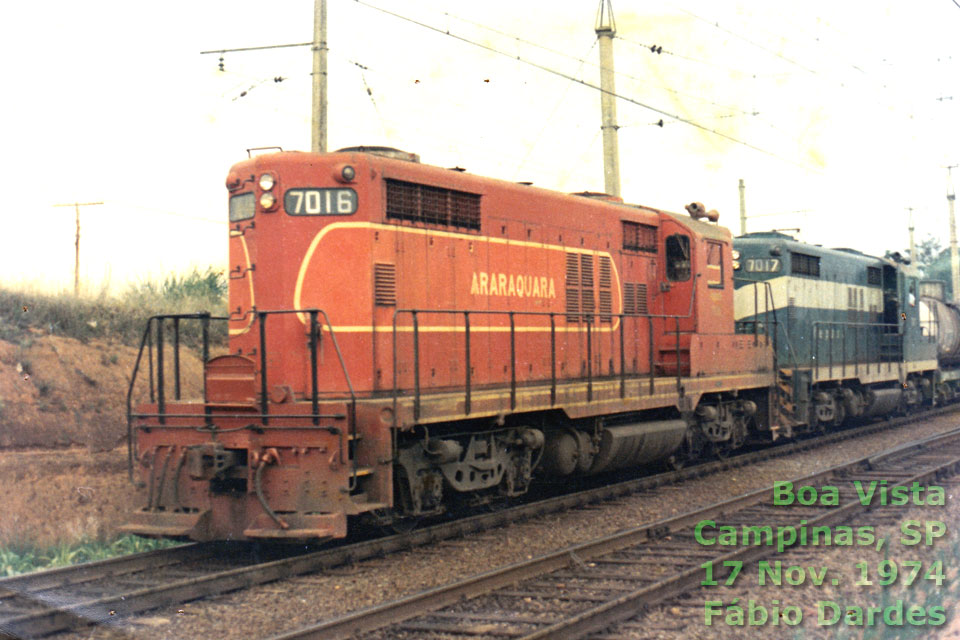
<point x="55" y="497"/>
<point x="121" y="319"/>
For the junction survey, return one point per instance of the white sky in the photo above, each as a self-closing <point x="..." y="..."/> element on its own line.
<point x="111" y="101"/>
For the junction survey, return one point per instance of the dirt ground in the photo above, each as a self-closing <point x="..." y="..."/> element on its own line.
<point x="59" y="392"/>
<point x="66" y="495"/>
<point x="63" y="456"/>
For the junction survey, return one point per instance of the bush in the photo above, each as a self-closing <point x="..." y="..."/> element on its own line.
<point x="123" y="318"/>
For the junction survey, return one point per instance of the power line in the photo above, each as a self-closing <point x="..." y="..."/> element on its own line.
<point x="748" y="41"/>
<point x="583" y="61"/>
<point x="583" y="82"/>
<point x="659" y="50"/>
<point x="269" y="46"/>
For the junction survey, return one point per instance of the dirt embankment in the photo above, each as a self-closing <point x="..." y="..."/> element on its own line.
<point x="59" y="392"/>
<point x="63" y="428"/>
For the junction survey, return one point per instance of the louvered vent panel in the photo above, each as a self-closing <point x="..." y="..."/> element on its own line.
<point x="606" y="305"/>
<point x="385" y="284"/>
<point x="587" y="304"/>
<point x="605" y="271"/>
<point x="629" y="298"/>
<point x="572" y="287"/>
<point x="641" y="298"/>
<point x="605" y="295"/>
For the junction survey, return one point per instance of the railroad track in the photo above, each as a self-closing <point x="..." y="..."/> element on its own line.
<point x="36" y="604"/>
<point x="588" y="587"/>
<point x="107" y="592"/>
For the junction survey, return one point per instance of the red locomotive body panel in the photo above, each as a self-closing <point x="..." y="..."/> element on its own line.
<point x="432" y="299"/>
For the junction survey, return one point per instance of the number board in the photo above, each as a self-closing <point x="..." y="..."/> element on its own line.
<point x="762" y="265"/>
<point x="320" y="202"/>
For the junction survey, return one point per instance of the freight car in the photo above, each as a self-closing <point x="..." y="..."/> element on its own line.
<point x="403" y="336"/>
<point x="854" y="336"/>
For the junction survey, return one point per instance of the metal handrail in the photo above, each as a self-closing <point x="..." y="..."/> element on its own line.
<point x="590" y="317"/>
<point x="158" y="394"/>
<point x="882" y="329"/>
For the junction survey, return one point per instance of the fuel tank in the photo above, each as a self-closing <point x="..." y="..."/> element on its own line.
<point x="943" y="321"/>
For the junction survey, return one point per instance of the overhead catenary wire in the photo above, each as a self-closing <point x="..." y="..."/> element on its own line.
<point x="586" y="84"/>
<point x="549" y="118"/>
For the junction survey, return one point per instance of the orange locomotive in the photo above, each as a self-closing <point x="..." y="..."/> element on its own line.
<point x="402" y="337"/>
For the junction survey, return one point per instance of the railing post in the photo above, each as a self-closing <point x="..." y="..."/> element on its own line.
<point x="843" y="357"/>
<point x="176" y="358"/>
<point x="623" y="363"/>
<point x="153" y="395"/>
<point x="161" y="401"/>
<point x="650" y="340"/>
<point x="513" y="363"/>
<point x="767" y="293"/>
<point x="589" y="361"/>
<point x="396" y="384"/>
<point x="856" y="350"/>
<point x="756" y="313"/>
<point x="205" y="334"/>
<point x="553" y="359"/>
<point x="262" y="317"/>
<point x="466" y="334"/>
<point x="416" y="366"/>
<point x="677" y="323"/>
<point x="816" y="352"/>
<point x="831" y="349"/>
<point x="314" y="392"/>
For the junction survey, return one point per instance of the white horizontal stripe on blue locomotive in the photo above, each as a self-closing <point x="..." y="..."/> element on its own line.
<point x="810" y="293"/>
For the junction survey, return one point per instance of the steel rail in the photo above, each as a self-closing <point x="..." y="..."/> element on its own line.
<point x="624" y="606"/>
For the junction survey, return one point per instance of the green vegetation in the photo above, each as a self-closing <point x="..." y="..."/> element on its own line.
<point x="122" y="318"/>
<point x="24" y="558"/>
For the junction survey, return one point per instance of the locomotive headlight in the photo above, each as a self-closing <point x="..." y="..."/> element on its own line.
<point x="344" y="173"/>
<point x="735" y="254"/>
<point x="736" y="265"/>
<point x="267" y="200"/>
<point x="266" y="182"/>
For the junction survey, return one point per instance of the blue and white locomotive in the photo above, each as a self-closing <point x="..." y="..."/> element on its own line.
<point x="854" y="335"/>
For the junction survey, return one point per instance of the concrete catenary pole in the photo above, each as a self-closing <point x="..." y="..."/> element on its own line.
<point x="606" y="28"/>
<point x="743" y="209"/>
<point x="954" y="256"/>
<point x="318" y="138"/>
<point x="913" y="245"/>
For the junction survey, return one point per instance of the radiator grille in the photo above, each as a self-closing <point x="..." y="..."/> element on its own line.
<point x="432" y="205"/>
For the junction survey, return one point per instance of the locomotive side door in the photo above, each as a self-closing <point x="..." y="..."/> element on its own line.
<point x="677" y="281"/>
<point x="676" y="289"/>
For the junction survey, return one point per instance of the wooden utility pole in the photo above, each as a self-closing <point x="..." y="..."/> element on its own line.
<point x="318" y="138"/>
<point x="76" y="255"/>
<point x="606" y="28"/>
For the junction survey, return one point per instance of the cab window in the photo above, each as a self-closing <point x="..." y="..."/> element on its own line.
<point x="715" y="265"/>
<point x="678" y="257"/>
<point x="242" y="207"/>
